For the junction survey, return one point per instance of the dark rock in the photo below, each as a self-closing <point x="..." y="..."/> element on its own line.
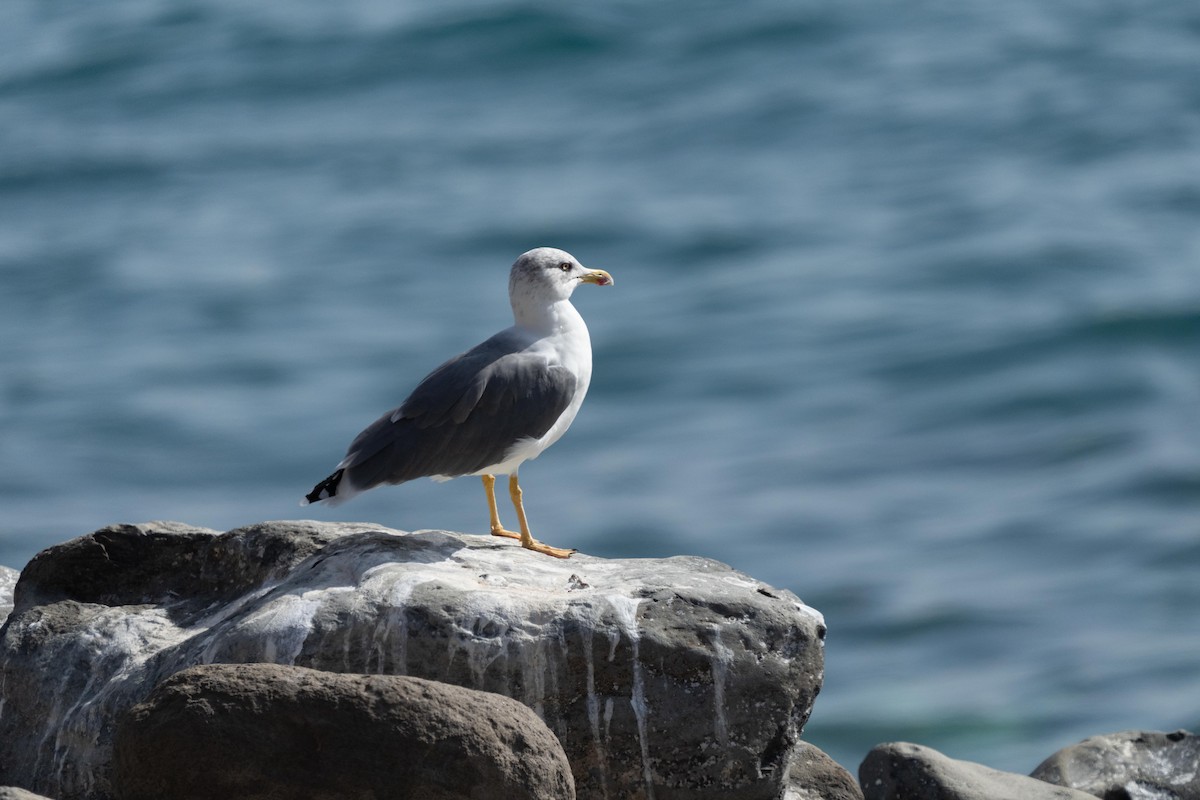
<point x="675" y="677"/>
<point x="813" y="775"/>
<point x="263" y="731"/>
<point x="167" y="563"/>
<point x="903" y="771"/>
<point x="1131" y="765"/>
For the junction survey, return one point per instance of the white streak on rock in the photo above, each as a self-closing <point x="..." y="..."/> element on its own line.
<point x="722" y="658"/>
<point x="593" y="703"/>
<point x="593" y="707"/>
<point x="614" y="638"/>
<point x="626" y="609"/>
<point x="741" y="583"/>
<point x="285" y="624"/>
<point x="117" y="644"/>
<point x="533" y="667"/>
<point x="399" y="593"/>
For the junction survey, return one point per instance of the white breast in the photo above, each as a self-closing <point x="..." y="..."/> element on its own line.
<point x="566" y="343"/>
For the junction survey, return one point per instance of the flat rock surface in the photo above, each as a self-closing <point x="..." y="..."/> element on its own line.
<point x="1139" y="765"/>
<point x="903" y="771"/>
<point x="271" y="732"/>
<point x="665" y="678"/>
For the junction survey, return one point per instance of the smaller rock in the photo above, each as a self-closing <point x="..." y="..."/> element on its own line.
<point x="269" y="731"/>
<point x="813" y="775"/>
<point x="13" y="792"/>
<point x="903" y="771"/>
<point x="1130" y="765"/>
<point x="8" y="582"/>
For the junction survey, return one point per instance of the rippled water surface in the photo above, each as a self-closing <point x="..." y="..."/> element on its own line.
<point x="906" y="315"/>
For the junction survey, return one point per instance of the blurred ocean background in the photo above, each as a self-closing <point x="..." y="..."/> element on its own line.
<point x="906" y="315"/>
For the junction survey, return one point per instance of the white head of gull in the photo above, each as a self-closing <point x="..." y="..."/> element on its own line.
<point x="488" y="410"/>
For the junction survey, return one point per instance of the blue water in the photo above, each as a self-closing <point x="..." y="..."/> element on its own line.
<point x="906" y="315"/>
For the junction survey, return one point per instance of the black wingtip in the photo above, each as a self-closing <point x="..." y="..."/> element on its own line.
<point x="326" y="488"/>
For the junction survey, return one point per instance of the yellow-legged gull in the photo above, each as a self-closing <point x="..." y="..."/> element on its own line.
<point x="490" y="409"/>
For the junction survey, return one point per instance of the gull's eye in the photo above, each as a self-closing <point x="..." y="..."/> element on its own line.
<point x="565" y="266"/>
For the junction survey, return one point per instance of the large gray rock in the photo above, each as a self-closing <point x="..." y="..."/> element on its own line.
<point x="8" y="582"/>
<point x="813" y="775"/>
<point x="664" y="678"/>
<point x="270" y="732"/>
<point x="1131" y="765"/>
<point x="903" y="771"/>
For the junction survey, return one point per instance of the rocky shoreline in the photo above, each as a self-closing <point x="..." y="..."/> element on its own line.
<point x="325" y="660"/>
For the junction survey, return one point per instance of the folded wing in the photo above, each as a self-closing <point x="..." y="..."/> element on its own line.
<point x="463" y="417"/>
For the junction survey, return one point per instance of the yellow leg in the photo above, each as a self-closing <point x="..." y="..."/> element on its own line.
<point x="527" y="540"/>
<point x="489" y="486"/>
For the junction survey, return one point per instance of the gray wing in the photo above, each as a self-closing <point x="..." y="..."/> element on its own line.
<point x="463" y="416"/>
